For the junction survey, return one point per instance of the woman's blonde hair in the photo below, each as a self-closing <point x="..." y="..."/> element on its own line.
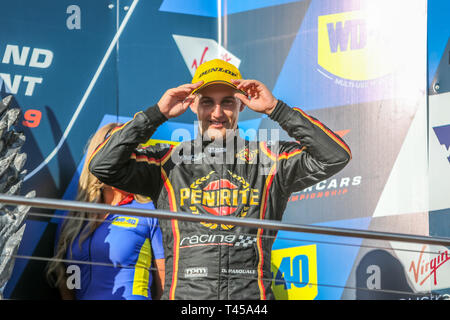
<point x="89" y="190"/>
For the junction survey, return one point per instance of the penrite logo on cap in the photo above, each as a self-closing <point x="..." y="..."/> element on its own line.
<point x="350" y="47"/>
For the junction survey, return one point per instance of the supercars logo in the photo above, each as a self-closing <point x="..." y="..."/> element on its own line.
<point x="219" y="197"/>
<point x="327" y="188"/>
<point x="295" y="273"/>
<point x="350" y="46"/>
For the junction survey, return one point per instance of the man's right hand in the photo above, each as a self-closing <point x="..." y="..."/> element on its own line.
<point x="175" y="101"/>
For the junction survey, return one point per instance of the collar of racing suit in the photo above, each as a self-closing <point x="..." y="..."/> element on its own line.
<point x="197" y="148"/>
<point x="216" y="144"/>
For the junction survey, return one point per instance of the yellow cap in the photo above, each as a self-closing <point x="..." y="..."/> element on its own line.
<point x="216" y="71"/>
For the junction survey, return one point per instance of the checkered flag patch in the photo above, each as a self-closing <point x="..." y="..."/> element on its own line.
<point x="245" y="241"/>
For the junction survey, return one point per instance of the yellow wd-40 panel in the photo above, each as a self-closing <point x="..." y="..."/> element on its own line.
<point x="295" y="273"/>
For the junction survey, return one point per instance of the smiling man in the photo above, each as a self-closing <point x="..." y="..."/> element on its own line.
<point x="255" y="180"/>
<point x="218" y="110"/>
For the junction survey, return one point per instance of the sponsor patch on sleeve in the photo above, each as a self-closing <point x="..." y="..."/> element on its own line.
<point x="126" y="222"/>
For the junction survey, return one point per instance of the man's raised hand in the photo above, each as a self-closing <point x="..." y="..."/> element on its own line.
<point x="175" y="101"/>
<point x="258" y="98"/>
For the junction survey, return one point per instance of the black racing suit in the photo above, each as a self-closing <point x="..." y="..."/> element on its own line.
<point x="240" y="179"/>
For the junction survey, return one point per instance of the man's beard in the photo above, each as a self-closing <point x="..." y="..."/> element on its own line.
<point x="211" y="134"/>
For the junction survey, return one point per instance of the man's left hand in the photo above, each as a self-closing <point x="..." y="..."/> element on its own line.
<point x="258" y="98"/>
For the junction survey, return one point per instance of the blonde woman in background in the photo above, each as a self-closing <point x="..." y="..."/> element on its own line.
<point x="114" y="253"/>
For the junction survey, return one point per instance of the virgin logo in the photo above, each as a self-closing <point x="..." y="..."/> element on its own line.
<point x="422" y="270"/>
<point x="224" y="56"/>
<point x="194" y="64"/>
<point x="196" y="51"/>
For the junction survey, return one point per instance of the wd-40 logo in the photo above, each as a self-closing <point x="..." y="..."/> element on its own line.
<point x="196" y="51"/>
<point x="350" y="47"/>
<point x="219" y="197"/>
<point x="125" y="222"/>
<point x="443" y="135"/>
<point x="295" y="273"/>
